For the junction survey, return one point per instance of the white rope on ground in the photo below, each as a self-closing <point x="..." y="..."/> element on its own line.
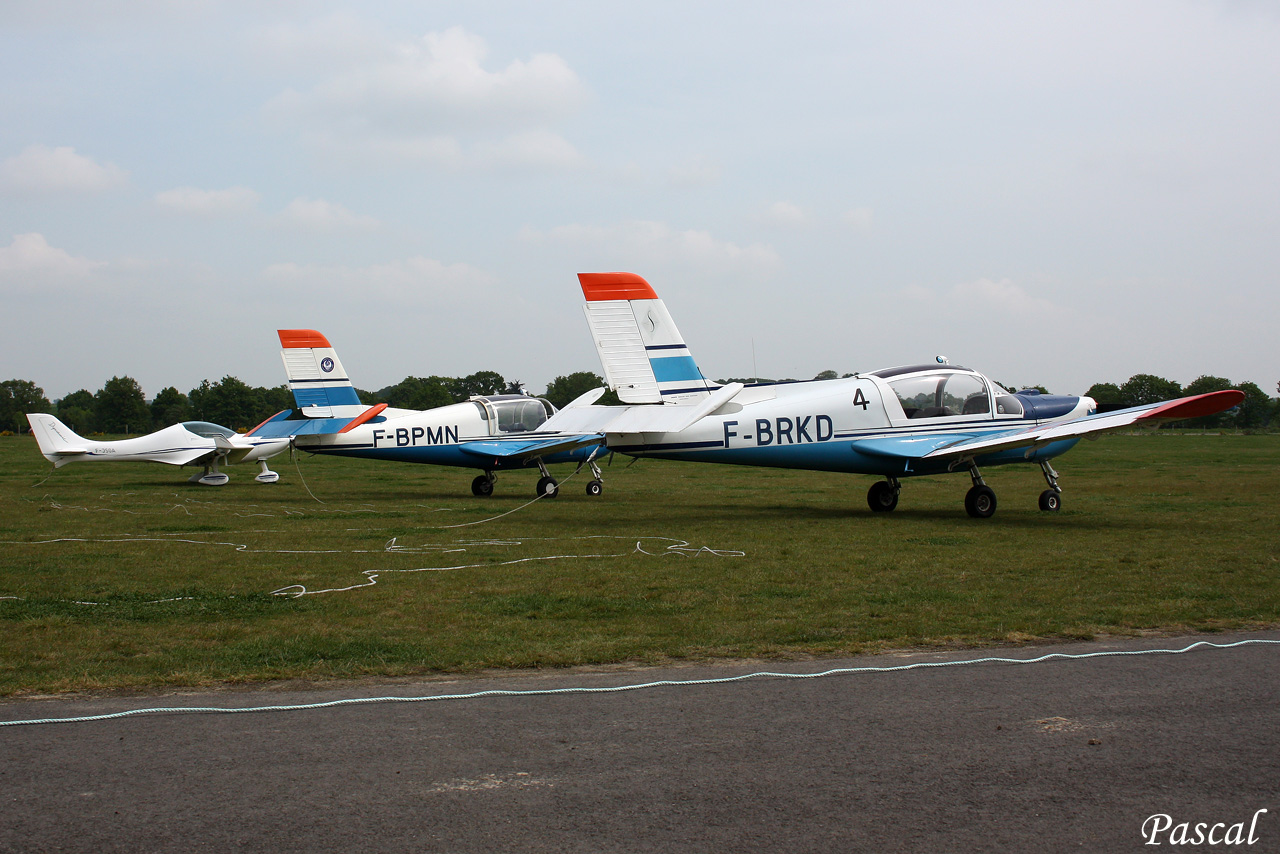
<point x="673" y="546"/>
<point x="614" y="689"/>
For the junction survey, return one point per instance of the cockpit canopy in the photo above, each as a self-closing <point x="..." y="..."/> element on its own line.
<point x="513" y="413"/>
<point x="930" y="392"/>
<point x="208" y="430"/>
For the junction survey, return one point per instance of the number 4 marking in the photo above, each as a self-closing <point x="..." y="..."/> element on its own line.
<point x="859" y="399"/>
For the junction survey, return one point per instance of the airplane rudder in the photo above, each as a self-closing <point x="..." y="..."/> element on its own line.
<point x="51" y="434"/>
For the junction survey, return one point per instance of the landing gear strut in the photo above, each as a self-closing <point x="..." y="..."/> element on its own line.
<point x="596" y="486"/>
<point x="1051" y="498"/>
<point x="883" y="495"/>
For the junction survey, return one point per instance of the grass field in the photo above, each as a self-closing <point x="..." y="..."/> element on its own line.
<point x="124" y="576"/>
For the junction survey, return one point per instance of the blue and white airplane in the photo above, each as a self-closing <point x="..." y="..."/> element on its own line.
<point x="489" y="433"/>
<point x="895" y="423"/>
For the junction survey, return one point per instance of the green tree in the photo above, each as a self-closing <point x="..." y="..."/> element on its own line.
<point x="482" y="383"/>
<point x="170" y="407"/>
<point x="827" y="375"/>
<point x="1105" y="393"/>
<point x="278" y="399"/>
<point x="17" y="398"/>
<point x="1141" y="389"/>
<point x="119" y="407"/>
<point x="229" y="402"/>
<point x="1255" y="409"/>
<point x="418" y="393"/>
<point x="562" y="390"/>
<point x="76" y="411"/>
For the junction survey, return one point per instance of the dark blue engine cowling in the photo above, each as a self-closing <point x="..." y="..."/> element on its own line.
<point x="1046" y="407"/>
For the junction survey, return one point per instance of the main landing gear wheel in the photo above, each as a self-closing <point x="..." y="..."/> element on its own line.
<point x="980" y="502"/>
<point x="882" y="497"/>
<point x="482" y="486"/>
<point x="594" y="488"/>
<point x="1051" y="500"/>
<point x="548" y="488"/>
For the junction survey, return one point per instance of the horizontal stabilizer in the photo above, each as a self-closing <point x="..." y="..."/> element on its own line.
<point x="286" y="427"/>
<point x="671" y="418"/>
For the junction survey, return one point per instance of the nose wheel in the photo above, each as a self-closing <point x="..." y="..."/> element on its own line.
<point x="1051" y="498"/>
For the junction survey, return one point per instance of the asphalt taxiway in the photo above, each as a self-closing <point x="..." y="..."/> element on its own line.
<point x="1062" y="755"/>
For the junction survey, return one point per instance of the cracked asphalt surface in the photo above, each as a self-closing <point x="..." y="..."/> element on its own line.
<point x="1064" y="755"/>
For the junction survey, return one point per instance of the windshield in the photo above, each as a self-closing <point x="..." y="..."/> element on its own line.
<point x="942" y="394"/>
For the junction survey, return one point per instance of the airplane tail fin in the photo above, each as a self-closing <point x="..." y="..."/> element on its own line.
<point x="317" y="379"/>
<point x="59" y="444"/>
<point x="644" y="357"/>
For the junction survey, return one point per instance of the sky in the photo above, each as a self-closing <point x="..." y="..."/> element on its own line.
<point x="1052" y="193"/>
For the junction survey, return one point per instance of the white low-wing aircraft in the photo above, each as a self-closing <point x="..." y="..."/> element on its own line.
<point x="489" y="433"/>
<point x="894" y="423"/>
<point x="191" y="443"/>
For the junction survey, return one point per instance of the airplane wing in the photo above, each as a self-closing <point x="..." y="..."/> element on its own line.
<point x="525" y="449"/>
<point x="1152" y="413"/>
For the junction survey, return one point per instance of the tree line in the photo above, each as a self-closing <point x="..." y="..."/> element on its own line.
<point x="120" y="406"/>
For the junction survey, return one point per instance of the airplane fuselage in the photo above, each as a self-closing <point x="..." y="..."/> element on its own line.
<point x="836" y="425"/>
<point x="438" y="436"/>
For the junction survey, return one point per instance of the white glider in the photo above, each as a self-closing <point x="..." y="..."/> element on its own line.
<point x="191" y="443"/>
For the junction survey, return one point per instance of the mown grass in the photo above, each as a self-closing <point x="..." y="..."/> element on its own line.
<point x="124" y="576"/>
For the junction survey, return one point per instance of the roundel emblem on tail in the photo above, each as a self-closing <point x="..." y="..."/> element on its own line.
<point x="326" y="364"/>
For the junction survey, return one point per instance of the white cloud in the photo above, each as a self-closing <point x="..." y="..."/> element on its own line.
<point x="30" y="263"/>
<point x="42" y="169"/>
<point x="432" y="98"/>
<point x="642" y="242"/>
<point x="413" y="281"/>
<point x="320" y="215"/>
<point x="194" y="201"/>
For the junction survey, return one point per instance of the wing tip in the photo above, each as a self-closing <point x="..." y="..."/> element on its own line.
<point x="1197" y="405"/>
